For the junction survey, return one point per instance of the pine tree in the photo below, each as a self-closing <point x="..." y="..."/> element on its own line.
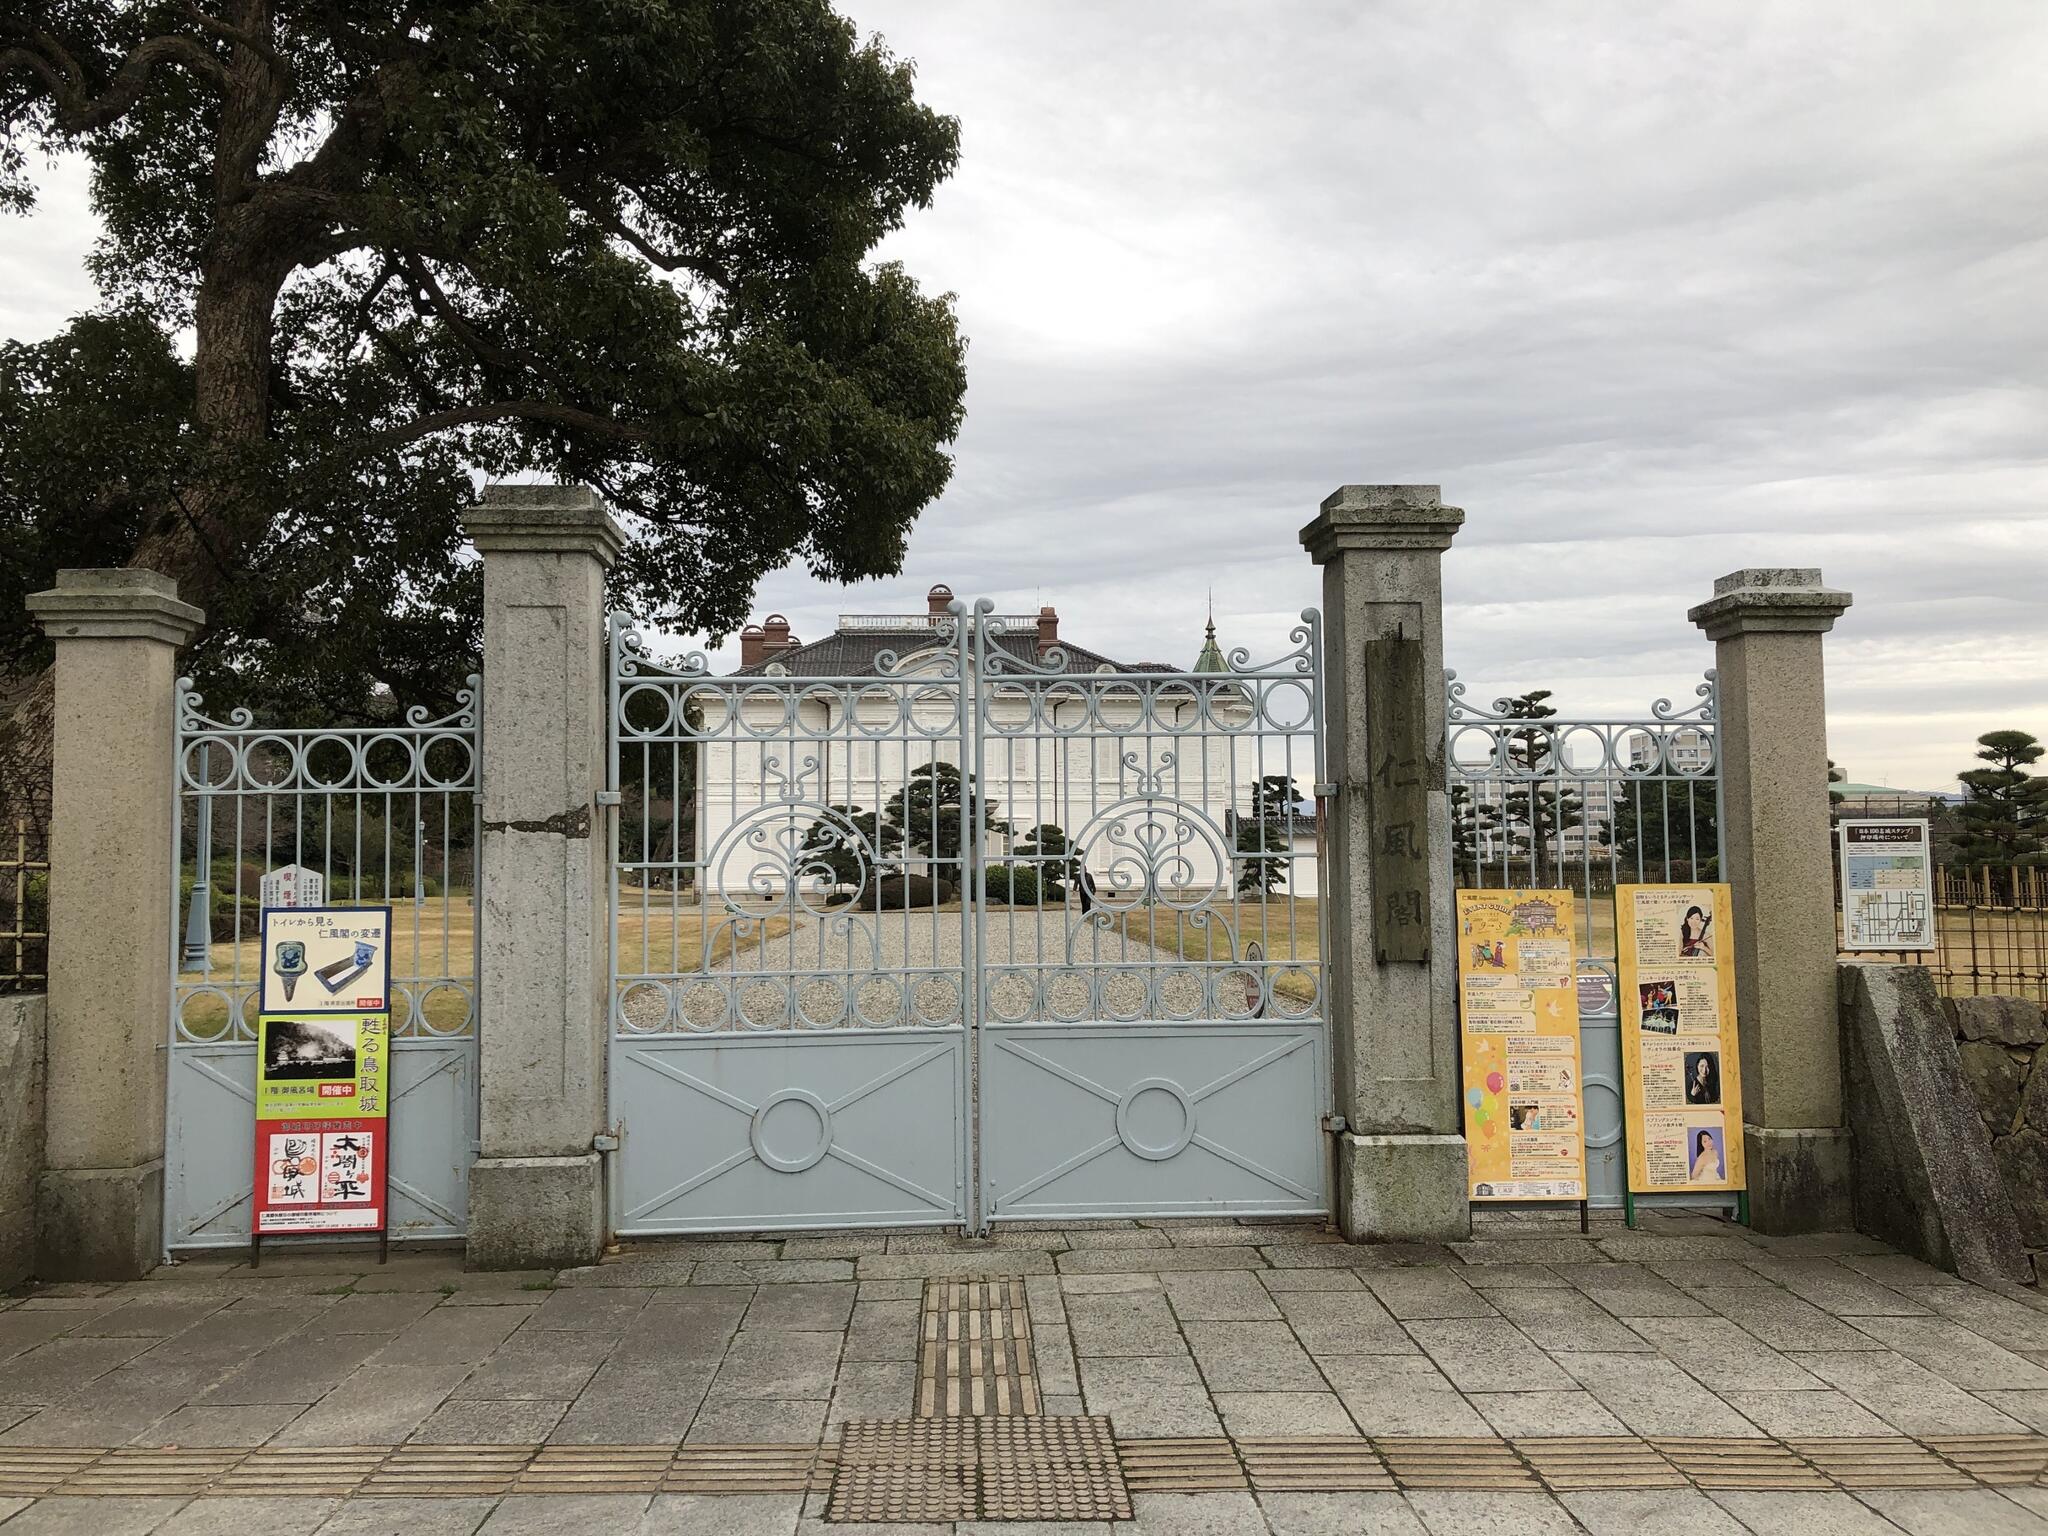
<point x="2005" y="808"/>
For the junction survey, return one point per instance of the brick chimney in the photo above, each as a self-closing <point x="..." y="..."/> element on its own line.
<point x="935" y="602"/>
<point x="776" y="638"/>
<point x="751" y="642"/>
<point x="1048" y="629"/>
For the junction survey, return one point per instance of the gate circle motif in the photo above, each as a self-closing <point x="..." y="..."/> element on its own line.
<point x="1151" y="1105"/>
<point x="796" y="1139"/>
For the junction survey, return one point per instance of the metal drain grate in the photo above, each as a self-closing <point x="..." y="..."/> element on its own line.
<point x="1490" y="1465"/>
<point x="1320" y="1463"/>
<point x="1571" y="1463"/>
<point x="911" y="1470"/>
<point x="1180" y="1466"/>
<point x="974" y="1357"/>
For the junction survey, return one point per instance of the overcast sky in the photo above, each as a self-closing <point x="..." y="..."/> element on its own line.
<point x="1654" y="292"/>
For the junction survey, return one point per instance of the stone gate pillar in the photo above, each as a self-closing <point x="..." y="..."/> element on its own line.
<point x="100" y="1201"/>
<point x="536" y="1192"/>
<point x="1766" y="626"/>
<point x="1393" y="964"/>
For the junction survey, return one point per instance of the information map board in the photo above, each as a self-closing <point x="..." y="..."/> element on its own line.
<point x="1518" y="1005"/>
<point x="1887" y="885"/>
<point x="323" y="1071"/>
<point x="1681" y="1071"/>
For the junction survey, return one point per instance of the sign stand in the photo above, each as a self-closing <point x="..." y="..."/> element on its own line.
<point x="1681" y="1068"/>
<point x="323" y="1074"/>
<point x="1521" y="1064"/>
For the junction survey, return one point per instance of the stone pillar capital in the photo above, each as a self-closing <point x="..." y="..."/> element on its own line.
<point x="544" y="520"/>
<point x="1377" y="518"/>
<point x="119" y="604"/>
<point x="1770" y="600"/>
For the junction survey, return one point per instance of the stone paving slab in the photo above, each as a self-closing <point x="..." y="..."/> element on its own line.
<point x="1690" y="1332"/>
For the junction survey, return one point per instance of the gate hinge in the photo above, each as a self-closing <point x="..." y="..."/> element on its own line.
<point x="1324" y="791"/>
<point x="1335" y="1123"/>
<point x="610" y="797"/>
<point x="604" y="1141"/>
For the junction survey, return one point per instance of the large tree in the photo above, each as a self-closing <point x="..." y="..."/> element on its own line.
<point x="353" y="254"/>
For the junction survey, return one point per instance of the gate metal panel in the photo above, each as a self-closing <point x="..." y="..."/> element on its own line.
<point x="797" y="1042"/>
<point x="1647" y="796"/>
<point x="782" y="1057"/>
<point x="386" y="814"/>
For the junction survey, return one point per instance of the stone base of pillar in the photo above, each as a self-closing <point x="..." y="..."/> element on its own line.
<point x="1402" y="1189"/>
<point x="99" y="1223"/>
<point x="1799" y="1180"/>
<point x="536" y="1212"/>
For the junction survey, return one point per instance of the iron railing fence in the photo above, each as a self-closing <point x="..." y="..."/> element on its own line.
<point x="24" y="907"/>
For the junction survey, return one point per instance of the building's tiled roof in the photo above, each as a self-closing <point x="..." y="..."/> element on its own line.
<point x="855" y="654"/>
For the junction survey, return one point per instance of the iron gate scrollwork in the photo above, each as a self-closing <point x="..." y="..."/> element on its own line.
<point x="969" y="934"/>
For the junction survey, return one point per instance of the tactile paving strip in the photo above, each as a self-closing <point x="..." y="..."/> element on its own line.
<point x="974" y="1355"/>
<point x="991" y="1467"/>
<point x="1866" y="1464"/>
<point x="1180" y="1466"/>
<point x="751" y="1469"/>
<point x="1731" y="1464"/>
<point x="1334" y="1464"/>
<point x="1490" y="1465"/>
<point x="909" y="1470"/>
<point x="2003" y="1461"/>
<point x="1570" y="1464"/>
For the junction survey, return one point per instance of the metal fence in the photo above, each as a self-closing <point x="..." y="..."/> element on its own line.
<point x="1552" y="802"/>
<point x="1990" y="933"/>
<point x="24" y="908"/>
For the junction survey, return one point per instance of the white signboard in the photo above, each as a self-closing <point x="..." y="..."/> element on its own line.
<point x="1887" y="885"/>
<point x="326" y="959"/>
<point x="294" y="886"/>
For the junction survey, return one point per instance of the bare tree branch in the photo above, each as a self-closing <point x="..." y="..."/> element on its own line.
<point x="543" y="412"/>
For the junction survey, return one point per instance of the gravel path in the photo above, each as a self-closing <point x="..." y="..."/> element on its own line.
<point x="903" y="968"/>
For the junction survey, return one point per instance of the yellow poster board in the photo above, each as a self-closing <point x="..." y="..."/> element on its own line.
<point x="1681" y="1071"/>
<point x="1518" y="1005"/>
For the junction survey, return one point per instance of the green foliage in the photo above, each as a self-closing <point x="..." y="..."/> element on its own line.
<point x="1265" y="833"/>
<point x="1016" y="884"/>
<point x="627" y="245"/>
<point x="929" y="811"/>
<point x="1664" y="829"/>
<point x="853" y="845"/>
<point x="2005" y="808"/>
<point x="1533" y="814"/>
<point x="1052" y="858"/>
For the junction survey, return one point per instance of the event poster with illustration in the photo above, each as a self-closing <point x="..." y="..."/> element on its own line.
<point x="1682" y="1078"/>
<point x="322" y="1116"/>
<point x="1518" y="1003"/>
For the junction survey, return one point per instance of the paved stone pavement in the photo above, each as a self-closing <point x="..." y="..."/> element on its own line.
<point x="1222" y="1333"/>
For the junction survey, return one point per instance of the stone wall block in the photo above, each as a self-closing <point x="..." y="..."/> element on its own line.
<point x="1997" y="1078"/>
<point x="2003" y="1020"/>
<point x="21" y="1134"/>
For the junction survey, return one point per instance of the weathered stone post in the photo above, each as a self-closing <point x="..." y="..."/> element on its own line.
<point x="100" y="1201"/>
<point x="1766" y="626"/>
<point x="536" y="1192"/>
<point x="1393" y="963"/>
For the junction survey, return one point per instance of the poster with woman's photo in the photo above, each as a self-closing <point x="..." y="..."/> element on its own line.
<point x="1680" y="1066"/>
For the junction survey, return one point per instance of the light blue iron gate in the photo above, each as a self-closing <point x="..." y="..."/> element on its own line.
<point x="964" y="935"/>
<point x="386" y="815"/>
<point x="1540" y="800"/>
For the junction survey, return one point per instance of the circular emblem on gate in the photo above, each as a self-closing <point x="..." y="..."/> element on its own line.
<point x="1155" y="1119"/>
<point x="792" y="1131"/>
